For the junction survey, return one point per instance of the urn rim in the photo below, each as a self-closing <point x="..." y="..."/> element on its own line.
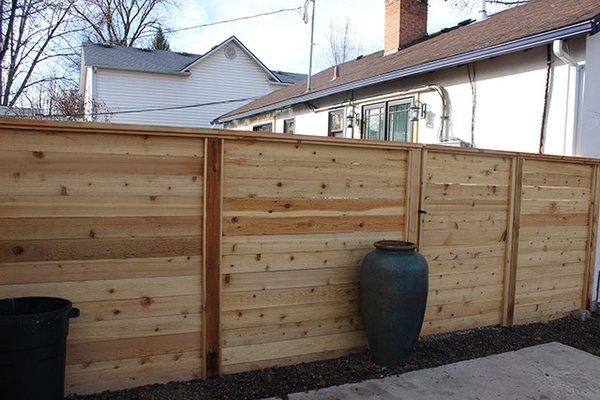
<point x="395" y="245"/>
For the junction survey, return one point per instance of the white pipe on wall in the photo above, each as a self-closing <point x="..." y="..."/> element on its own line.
<point x="483" y="15"/>
<point x="558" y="48"/>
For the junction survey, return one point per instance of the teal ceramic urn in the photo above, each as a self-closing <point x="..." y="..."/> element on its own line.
<point x="393" y="288"/>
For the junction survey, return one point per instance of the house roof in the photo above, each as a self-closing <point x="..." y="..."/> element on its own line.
<point x="529" y="20"/>
<point x="135" y="59"/>
<point x="161" y="61"/>
<point x="289" y="77"/>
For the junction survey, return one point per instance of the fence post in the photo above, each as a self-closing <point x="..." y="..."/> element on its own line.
<point x="213" y="163"/>
<point x="413" y="196"/>
<point x="422" y="190"/>
<point x="513" y="225"/>
<point x="590" y="265"/>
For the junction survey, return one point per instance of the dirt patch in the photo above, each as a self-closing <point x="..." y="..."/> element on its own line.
<point x="432" y="351"/>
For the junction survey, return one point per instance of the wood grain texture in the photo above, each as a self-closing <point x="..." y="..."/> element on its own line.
<point x="113" y="223"/>
<point x="512" y="248"/>
<point x="297" y="221"/>
<point x="197" y="252"/>
<point x="463" y="235"/>
<point x="212" y="256"/>
<point x="558" y="214"/>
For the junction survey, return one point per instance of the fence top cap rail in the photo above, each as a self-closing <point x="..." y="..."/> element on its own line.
<point x="157" y="130"/>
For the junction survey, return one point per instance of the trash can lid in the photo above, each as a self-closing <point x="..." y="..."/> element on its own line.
<point x="22" y="308"/>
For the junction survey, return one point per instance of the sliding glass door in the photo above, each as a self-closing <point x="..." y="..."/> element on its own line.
<point x="399" y="121"/>
<point x="374" y="122"/>
<point x="388" y="121"/>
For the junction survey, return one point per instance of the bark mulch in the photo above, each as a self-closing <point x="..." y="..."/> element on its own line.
<point x="431" y="351"/>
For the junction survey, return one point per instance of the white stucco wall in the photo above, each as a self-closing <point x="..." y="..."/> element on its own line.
<point x="510" y="92"/>
<point x="215" y="78"/>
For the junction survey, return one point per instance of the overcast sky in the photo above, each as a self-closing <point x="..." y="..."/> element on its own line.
<point x="281" y="41"/>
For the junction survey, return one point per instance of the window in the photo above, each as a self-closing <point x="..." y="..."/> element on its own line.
<point x="289" y="125"/>
<point x="263" y="127"/>
<point x="399" y="121"/>
<point x="336" y="123"/>
<point x="388" y="121"/>
<point x="374" y="122"/>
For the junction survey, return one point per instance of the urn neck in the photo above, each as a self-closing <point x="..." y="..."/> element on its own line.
<point x="396" y="246"/>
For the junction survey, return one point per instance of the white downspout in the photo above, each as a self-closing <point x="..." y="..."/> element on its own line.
<point x="88" y="88"/>
<point x="558" y="48"/>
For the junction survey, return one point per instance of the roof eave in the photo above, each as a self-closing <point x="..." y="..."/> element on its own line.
<point x="477" y="55"/>
<point x="176" y="73"/>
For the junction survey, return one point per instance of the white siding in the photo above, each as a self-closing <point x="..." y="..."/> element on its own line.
<point x="215" y="78"/>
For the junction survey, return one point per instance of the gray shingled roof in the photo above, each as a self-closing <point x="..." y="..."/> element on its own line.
<point x="144" y="60"/>
<point x="134" y="59"/>
<point x="289" y="77"/>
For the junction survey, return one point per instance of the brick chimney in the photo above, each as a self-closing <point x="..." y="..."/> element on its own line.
<point x="405" y="23"/>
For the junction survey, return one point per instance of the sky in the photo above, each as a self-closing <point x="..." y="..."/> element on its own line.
<point x="281" y="41"/>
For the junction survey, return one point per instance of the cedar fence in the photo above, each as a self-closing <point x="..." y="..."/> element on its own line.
<point x="197" y="252"/>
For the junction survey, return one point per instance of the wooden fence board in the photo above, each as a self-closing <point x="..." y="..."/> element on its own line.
<point x="466" y="200"/>
<point x="295" y="230"/>
<point x="197" y="252"/>
<point x="557" y="213"/>
<point x="113" y="223"/>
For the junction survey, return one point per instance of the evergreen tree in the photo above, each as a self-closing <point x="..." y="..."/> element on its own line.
<point x="160" y="42"/>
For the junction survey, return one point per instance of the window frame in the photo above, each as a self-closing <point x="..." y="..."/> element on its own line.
<point x="407" y="100"/>
<point x="287" y="120"/>
<point x="373" y="106"/>
<point x="331" y="133"/>
<point x="386" y="107"/>
<point x="254" y="127"/>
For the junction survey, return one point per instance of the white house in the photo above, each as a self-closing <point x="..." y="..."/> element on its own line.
<point x="525" y="79"/>
<point x="170" y="86"/>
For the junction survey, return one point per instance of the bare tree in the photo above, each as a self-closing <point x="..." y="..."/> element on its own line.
<point x="341" y="45"/>
<point x="32" y="35"/>
<point x="121" y="22"/>
<point x="57" y="101"/>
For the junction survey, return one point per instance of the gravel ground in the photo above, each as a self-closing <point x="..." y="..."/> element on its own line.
<point x="432" y="351"/>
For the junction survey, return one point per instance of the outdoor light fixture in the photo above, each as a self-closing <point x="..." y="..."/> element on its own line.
<point x="418" y="110"/>
<point x="350" y="119"/>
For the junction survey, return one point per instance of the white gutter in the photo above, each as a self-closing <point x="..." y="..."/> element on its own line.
<point x="558" y="47"/>
<point x="477" y="55"/>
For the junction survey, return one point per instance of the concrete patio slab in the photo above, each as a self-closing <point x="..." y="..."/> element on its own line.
<point x="550" y="371"/>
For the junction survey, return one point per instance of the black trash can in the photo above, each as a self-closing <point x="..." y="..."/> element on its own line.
<point x="33" y="341"/>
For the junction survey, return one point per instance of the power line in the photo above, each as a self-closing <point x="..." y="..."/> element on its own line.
<point x="152" y="109"/>
<point x="283" y="10"/>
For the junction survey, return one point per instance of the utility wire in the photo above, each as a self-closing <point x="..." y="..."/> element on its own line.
<point x="283" y="10"/>
<point x="152" y="109"/>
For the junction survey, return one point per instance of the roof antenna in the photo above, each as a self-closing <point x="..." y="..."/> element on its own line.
<point x="312" y="39"/>
<point x="483" y="15"/>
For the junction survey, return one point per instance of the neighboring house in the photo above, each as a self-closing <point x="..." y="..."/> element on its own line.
<point x="526" y="79"/>
<point x="122" y="79"/>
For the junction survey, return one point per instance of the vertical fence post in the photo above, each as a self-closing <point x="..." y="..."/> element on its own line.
<point x="213" y="170"/>
<point x="590" y="264"/>
<point x="413" y="196"/>
<point x="422" y="189"/>
<point x="513" y="226"/>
